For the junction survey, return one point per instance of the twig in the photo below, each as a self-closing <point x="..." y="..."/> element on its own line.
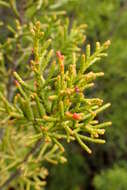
<point x="19" y="171"/>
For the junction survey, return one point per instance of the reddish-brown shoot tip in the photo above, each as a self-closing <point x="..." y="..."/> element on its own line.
<point x="77" y="89"/>
<point x="16" y="82"/>
<point x="76" y="116"/>
<point x="59" y="55"/>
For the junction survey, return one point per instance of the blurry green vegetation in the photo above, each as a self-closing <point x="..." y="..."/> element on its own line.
<point x="112" y="179"/>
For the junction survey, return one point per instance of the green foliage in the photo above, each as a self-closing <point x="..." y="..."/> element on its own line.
<point x="17" y="45"/>
<point x="108" y="21"/>
<point x="115" y="178"/>
<point x="48" y="104"/>
<point x="55" y="108"/>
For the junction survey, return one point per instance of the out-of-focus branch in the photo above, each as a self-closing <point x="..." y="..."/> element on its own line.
<point x="19" y="170"/>
<point x="19" y="13"/>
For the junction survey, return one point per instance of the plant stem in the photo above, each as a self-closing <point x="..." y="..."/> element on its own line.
<point x="19" y="171"/>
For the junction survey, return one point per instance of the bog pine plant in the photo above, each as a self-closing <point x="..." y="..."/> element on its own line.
<point x="43" y="98"/>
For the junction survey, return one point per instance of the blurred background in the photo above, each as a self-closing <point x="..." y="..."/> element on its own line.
<point x="106" y="168"/>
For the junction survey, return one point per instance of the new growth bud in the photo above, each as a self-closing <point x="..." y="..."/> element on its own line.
<point x="76" y="116"/>
<point x="16" y="83"/>
<point x="60" y="56"/>
<point x="107" y="43"/>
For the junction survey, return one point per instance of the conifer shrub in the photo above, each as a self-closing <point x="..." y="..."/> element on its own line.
<point x="43" y="98"/>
